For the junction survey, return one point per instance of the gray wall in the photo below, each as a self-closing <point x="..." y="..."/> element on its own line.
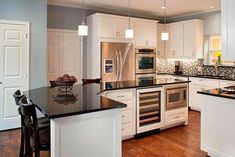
<point x="212" y="21"/>
<point x="34" y="11"/>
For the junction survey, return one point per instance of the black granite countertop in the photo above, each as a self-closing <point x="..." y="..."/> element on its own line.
<point x="82" y="99"/>
<point x="85" y="98"/>
<point x="141" y="84"/>
<point x="228" y="78"/>
<point x="218" y="93"/>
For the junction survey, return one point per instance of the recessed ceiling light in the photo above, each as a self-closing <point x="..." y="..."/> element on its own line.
<point x="212" y="7"/>
<point x="163" y="7"/>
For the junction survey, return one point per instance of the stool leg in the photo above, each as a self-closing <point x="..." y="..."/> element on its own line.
<point x="22" y="143"/>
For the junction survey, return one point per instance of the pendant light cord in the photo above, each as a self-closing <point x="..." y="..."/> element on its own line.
<point x="129" y="13"/>
<point x="165" y="14"/>
<point x="83" y="12"/>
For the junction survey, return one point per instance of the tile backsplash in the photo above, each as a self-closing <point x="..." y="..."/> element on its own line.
<point x="194" y="67"/>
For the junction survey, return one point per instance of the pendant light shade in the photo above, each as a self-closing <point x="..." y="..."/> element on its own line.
<point x="83" y="28"/>
<point x="165" y="34"/>
<point x="129" y="33"/>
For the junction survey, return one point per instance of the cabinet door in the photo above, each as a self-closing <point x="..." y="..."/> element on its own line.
<point x="160" y="43"/>
<point x="189" y="39"/>
<point x="108" y="27"/>
<point x="139" y="34"/>
<point x="228" y="31"/>
<point x="121" y="26"/>
<point x="150" y="30"/>
<point x="176" y="40"/>
<point x="194" y="100"/>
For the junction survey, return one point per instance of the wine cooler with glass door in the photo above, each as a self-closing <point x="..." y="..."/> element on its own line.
<point x="149" y="109"/>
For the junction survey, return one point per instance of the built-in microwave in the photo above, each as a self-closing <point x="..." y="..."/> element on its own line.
<point x="145" y="61"/>
<point x="176" y="96"/>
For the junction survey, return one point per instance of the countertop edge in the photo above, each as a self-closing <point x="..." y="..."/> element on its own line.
<point x="216" y="95"/>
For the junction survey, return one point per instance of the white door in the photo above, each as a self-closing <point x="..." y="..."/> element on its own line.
<point x="13" y="70"/>
<point x="190" y="39"/>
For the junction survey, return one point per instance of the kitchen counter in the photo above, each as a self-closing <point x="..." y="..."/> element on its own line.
<point x="217" y="122"/>
<point x="218" y="93"/>
<point x="229" y="78"/>
<point x="82" y="99"/>
<point x="142" y="84"/>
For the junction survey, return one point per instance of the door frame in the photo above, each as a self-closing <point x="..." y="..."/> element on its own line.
<point x="27" y="37"/>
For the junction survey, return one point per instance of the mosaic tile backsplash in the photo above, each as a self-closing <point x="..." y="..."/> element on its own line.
<point x="194" y="67"/>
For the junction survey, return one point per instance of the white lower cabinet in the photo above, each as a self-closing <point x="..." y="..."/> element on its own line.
<point x="128" y="114"/>
<point x="176" y="116"/>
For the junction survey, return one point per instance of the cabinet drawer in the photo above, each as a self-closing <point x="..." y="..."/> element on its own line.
<point x="198" y="81"/>
<point x="120" y="96"/>
<point x="176" y="116"/>
<point x="127" y="130"/>
<point x="127" y="116"/>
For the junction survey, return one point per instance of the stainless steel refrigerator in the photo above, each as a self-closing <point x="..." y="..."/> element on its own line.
<point x="117" y="61"/>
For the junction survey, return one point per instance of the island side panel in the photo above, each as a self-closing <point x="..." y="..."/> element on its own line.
<point x="217" y="125"/>
<point x="87" y="135"/>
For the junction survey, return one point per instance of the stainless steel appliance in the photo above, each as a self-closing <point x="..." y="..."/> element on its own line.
<point x="178" y="67"/>
<point x="176" y="96"/>
<point x="145" y="61"/>
<point x="143" y="77"/>
<point x="149" y="109"/>
<point x="117" y="61"/>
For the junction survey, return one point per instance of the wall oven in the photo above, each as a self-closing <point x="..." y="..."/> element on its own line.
<point x="176" y="96"/>
<point x="145" y="61"/>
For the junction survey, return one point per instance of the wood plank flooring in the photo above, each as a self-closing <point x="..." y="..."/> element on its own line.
<point x="182" y="141"/>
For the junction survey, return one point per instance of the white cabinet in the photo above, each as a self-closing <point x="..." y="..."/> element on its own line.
<point x="145" y="33"/>
<point x="193" y="39"/>
<point x="228" y="31"/>
<point x="185" y="40"/>
<point x="175" y="40"/>
<point x="128" y="114"/>
<point x="113" y="26"/>
<point x="175" y="116"/>
<point x="198" y="84"/>
<point x="225" y="83"/>
<point x="160" y="43"/>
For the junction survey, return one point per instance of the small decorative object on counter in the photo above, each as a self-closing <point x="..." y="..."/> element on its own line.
<point x="64" y="84"/>
<point x="218" y="54"/>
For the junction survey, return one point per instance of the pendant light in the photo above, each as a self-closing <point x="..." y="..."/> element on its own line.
<point x="129" y="33"/>
<point x="165" y="34"/>
<point x="83" y="28"/>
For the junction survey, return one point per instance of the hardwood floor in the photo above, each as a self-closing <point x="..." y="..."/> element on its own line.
<point x="182" y="141"/>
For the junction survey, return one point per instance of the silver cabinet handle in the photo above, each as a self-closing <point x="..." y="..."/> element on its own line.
<point x="0" y="82"/>
<point x="121" y="96"/>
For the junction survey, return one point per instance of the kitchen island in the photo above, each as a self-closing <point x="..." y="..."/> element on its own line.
<point x="89" y="121"/>
<point x="217" y="122"/>
<point x="82" y="123"/>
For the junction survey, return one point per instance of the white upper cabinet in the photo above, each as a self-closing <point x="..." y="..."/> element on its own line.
<point x="185" y="40"/>
<point x="193" y="39"/>
<point x="175" y="42"/>
<point x="145" y="33"/>
<point x="113" y="26"/>
<point x="160" y="43"/>
<point x="228" y="29"/>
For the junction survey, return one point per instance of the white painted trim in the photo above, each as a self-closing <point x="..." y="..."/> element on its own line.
<point x="27" y="24"/>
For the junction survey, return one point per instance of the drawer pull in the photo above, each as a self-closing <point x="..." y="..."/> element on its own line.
<point x="121" y="96"/>
<point x="123" y="116"/>
<point x="123" y="129"/>
<point x="177" y="117"/>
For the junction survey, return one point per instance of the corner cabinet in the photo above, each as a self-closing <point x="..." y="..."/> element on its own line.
<point x="228" y="33"/>
<point x="145" y="33"/>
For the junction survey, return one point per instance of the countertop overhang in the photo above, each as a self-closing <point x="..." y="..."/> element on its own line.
<point x="217" y="92"/>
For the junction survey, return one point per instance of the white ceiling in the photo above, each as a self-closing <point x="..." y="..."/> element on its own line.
<point x="146" y="7"/>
